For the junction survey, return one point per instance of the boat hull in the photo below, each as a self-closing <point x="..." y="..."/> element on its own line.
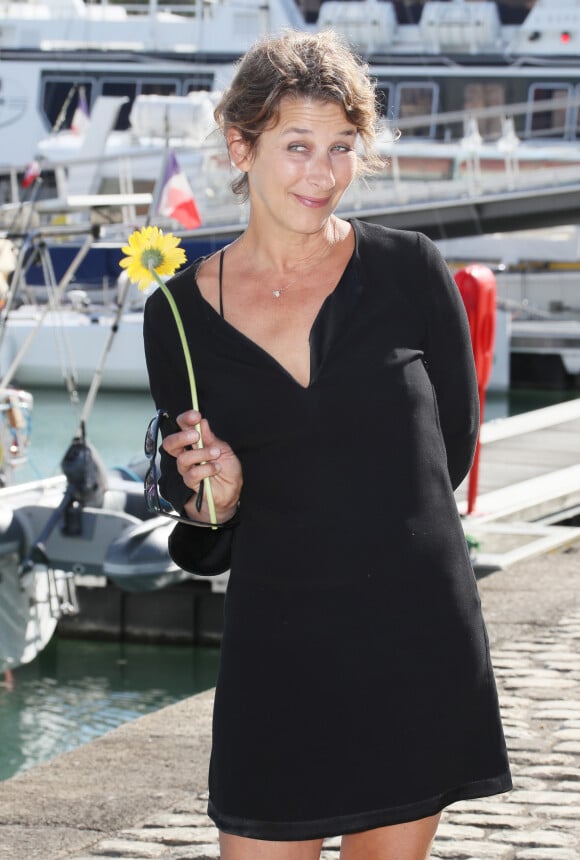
<point x="119" y="540"/>
<point x="72" y="342"/>
<point x="31" y="603"/>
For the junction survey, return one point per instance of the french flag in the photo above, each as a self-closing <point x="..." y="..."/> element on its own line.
<point x="31" y="174"/>
<point x="176" y="200"/>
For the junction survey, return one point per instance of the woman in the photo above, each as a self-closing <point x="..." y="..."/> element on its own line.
<point x="355" y="695"/>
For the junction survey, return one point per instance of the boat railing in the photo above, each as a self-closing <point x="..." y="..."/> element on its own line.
<point x="153" y="7"/>
<point x="34" y="244"/>
<point x="465" y="161"/>
<point x="201" y="8"/>
<point x="448" y="123"/>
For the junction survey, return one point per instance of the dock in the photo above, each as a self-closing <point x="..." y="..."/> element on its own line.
<point x="529" y="486"/>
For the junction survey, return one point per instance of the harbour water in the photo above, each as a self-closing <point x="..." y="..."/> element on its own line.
<point x="115" y="426"/>
<point x="76" y="690"/>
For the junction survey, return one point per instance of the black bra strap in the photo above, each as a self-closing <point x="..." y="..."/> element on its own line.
<point x="220" y="282"/>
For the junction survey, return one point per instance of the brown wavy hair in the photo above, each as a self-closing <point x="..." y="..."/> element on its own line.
<point x="319" y="67"/>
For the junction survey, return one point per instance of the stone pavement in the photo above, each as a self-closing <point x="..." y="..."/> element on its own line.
<point x="533" y="617"/>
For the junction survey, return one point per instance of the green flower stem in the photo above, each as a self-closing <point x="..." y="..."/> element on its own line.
<point x="191" y="376"/>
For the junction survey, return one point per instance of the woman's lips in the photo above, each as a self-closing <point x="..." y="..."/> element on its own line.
<point x="313" y="202"/>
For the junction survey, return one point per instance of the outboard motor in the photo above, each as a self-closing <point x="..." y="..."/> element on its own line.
<point x="86" y="482"/>
<point x="86" y="485"/>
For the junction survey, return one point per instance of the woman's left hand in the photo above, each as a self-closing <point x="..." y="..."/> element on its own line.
<point x="215" y="460"/>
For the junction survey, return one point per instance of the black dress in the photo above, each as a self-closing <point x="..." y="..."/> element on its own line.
<point x="355" y="688"/>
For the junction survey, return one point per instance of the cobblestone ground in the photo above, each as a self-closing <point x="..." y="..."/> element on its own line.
<point x="539" y="687"/>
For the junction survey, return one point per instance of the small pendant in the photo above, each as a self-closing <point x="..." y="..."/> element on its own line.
<point x="276" y="293"/>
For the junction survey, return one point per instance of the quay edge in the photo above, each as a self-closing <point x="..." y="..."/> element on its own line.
<point x="109" y="790"/>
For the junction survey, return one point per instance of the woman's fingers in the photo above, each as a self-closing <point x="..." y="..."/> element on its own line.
<point x="176" y="442"/>
<point x="191" y="418"/>
<point x="200" y="454"/>
<point x="199" y="461"/>
<point x="194" y="461"/>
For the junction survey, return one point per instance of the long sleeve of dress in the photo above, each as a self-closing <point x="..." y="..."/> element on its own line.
<point x="450" y="364"/>
<point x="197" y="550"/>
<point x="412" y="264"/>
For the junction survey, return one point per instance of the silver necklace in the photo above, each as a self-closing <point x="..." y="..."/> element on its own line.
<point x="277" y="292"/>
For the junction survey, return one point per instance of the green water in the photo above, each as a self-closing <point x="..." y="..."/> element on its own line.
<point x="115" y="426"/>
<point x="75" y="691"/>
<point x="505" y="404"/>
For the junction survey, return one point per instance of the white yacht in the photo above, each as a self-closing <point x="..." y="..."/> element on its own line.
<point x="484" y="107"/>
<point x="457" y="57"/>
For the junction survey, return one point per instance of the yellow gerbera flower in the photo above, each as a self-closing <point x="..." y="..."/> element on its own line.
<point x="150" y="252"/>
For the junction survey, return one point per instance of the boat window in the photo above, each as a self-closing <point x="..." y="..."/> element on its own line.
<point x="550" y="121"/>
<point x="60" y="94"/>
<point x="201" y="81"/>
<point x="121" y="88"/>
<point x="477" y="96"/>
<point x="158" y="88"/>
<point x="60" y="99"/>
<point x="417" y="100"/>
<point x="132" y="88"/>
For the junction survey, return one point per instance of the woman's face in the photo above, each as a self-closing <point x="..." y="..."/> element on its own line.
<point x="302" y="166"/>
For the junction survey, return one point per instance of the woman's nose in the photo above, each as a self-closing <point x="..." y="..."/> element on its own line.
<point x="321" y="173"/>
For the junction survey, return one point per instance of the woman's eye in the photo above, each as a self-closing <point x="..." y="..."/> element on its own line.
<point x="303" y="147"/>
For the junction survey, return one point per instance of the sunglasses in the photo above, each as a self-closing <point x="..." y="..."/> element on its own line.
<point x="155" y="502"/>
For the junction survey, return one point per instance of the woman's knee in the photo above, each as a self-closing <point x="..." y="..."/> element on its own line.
<point x="409" y="841"/>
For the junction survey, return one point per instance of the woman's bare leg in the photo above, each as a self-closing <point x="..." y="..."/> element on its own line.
<point x="241" y="848"/>
<point x="409" y="841"/>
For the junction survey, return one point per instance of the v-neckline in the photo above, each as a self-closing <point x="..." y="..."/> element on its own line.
<point x="314" y="366"/>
